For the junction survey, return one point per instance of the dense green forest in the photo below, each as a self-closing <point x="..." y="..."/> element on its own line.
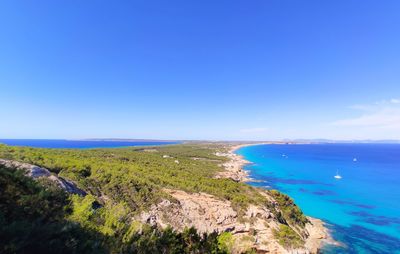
<point x="37" y="217"/>
<point x="137" y="175"/>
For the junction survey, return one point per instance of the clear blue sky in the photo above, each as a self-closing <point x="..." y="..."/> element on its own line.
<point x="200" y="69"/>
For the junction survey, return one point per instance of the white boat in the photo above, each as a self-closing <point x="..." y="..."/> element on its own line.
<point x="354" y="159"/>
<point x="337" y="176"/>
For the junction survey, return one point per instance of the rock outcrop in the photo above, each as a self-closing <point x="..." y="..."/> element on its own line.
<point x="37" y="172"/>
<point x="200" y="210"/>
<point x="253" y="230"/>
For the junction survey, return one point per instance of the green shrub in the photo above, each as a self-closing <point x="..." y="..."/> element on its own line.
<point x="287" y="237"/>
<point x="225" y="242"/>
<point x="32" y="219"/>
<point x="136" y="177"/>
<point x="290" y="212"/>
<point x="37" y="218"/>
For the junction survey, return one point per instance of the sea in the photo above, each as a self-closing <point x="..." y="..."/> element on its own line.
<point x="81" y="144"/>
<point x="361" y="209"/>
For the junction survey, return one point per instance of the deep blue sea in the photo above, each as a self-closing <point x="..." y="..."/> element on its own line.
<point x="362" y="208"/>
<point x="81" y="144"/>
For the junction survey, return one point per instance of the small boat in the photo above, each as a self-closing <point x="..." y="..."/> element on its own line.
<point x="337" y="176"/>
<point x="354" y="159"/>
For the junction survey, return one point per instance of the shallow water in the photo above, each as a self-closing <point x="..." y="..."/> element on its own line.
<point x="362" y="208"/>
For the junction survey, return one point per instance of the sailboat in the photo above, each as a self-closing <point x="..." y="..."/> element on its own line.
<point x="337" y="176"/>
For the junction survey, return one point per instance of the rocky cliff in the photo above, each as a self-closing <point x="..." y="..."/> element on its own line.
<point x="253" y="230"/>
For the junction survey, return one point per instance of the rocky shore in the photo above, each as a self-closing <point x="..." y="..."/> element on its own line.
<point x="233" y="169"/>
<point x="253" y="230"/>
<point x="318" y="234"/>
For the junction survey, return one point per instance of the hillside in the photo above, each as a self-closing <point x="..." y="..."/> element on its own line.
<point x="167" y="199"/>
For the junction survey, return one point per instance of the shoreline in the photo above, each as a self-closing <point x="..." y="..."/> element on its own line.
<point x="233" y="168"/>
<point x="319" y="234"/>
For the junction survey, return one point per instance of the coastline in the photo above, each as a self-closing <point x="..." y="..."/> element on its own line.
<point x="255" y="226"/>
<point x="319" y="234"/>
<point x="234" y="167"/>
<point x="239" y="162"/>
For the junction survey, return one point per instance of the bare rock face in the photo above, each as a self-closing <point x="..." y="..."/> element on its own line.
<point x="30" y="170"/>
<point x="317" y="233"/>
<point x="37" y="172"/>
<point x="208" y="214"/>
<point x="200" y="210"/>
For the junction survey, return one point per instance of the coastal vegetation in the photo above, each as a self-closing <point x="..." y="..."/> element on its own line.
<point x="137" y="176"/>
<point x="287" y="237"/>
<point x="119" y="185"/>
<point x="33" y="218"/>
<point x="289" y="212"/>
<point x="38" y="217"/>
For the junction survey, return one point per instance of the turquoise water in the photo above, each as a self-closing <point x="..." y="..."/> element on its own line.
<point x="362" y="208"/>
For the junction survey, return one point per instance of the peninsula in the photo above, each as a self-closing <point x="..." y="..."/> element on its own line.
<point x="183" y="198"/>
